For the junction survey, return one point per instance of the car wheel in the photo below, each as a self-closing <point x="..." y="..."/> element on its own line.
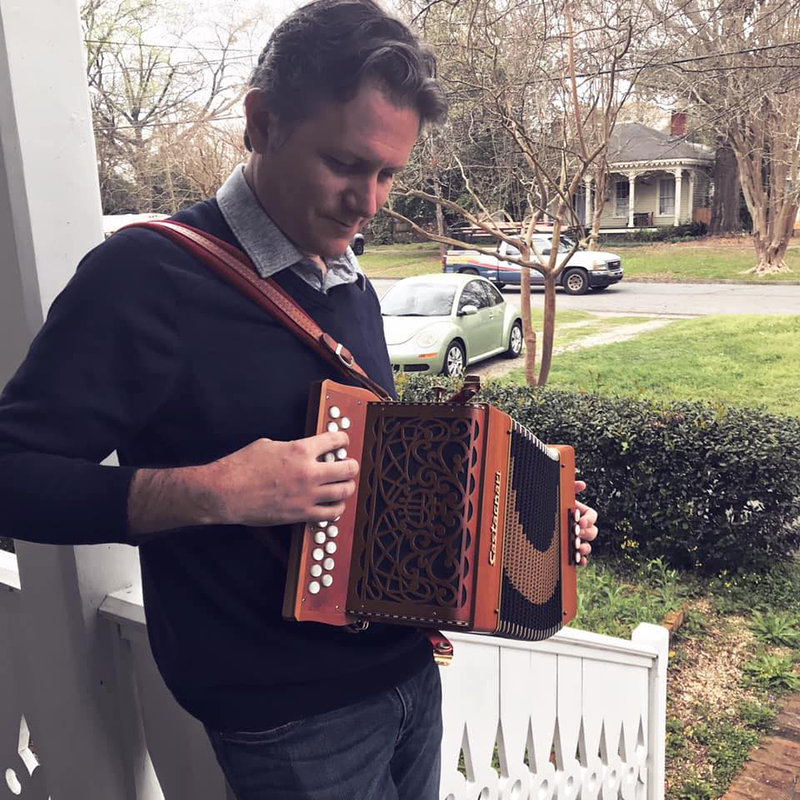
<point x="515" y="341"/>
<point x="599" y="288"/>
<point x="454" y="360"/>
<point x="469" y="271"/>
<point x="358" y="248"/>
<point x="575" y="281"/>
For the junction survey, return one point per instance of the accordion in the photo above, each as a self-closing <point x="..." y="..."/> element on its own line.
<point x="463" y="520"/>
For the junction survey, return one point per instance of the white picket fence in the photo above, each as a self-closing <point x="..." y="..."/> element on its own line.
<point x="578" y="716"/>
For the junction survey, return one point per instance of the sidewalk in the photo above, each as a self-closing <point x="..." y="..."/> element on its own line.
<point x="773" y="771"/>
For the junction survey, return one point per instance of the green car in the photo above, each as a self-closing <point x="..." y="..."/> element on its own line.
<point x="442" y="323"/>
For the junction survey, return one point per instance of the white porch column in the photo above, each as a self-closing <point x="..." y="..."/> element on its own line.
<point x="678" y="178"/>
<point x="49" y="217"/>
<point x="587" y="201"/>
<point x="692" y="179"/>
<point x="631" y="197"/>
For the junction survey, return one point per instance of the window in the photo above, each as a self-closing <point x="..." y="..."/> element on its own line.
<point x="473" y="295"/>
<point x="497" y="298"/>
<point x="622" y="196"/>
<point x="666" y="196"/>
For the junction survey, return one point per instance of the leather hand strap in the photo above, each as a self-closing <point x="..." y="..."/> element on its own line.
<point x="235" y="267"/>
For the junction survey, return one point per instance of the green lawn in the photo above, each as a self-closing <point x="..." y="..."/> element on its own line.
<point x="743" y="360"/>
<point x="704" y="260"/>
<point x="709" y="261"/>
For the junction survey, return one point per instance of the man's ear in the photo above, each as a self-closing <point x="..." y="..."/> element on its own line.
<point x="261" y="124"/>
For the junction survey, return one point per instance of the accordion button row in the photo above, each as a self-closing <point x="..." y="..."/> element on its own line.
<point x="323" y="563"/>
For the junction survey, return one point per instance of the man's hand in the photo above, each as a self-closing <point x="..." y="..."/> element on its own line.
<point x="265" y="483"/>
<point x="588" y="526"/>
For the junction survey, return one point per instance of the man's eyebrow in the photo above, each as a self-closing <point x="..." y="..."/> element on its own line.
<point x="358" y="160"/>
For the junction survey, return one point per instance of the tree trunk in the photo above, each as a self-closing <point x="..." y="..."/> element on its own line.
<point x="528" y="334"/>
<point x="725" y="205"/>
<point x="548" y="327"/>
<point x="600" y="184"/>
<point x="770" y="255"/>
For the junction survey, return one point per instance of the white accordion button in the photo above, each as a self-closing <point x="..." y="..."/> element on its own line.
<point x="328" y="564"/>
<point x="341" y="454"/>
<point x="334" y="413"/>
<point x="577" y="515"/>
<point x="313" y="587"/>
<point x="344" y="422"/>
<point x="333" y="427"/>
<point x="577" y="530"/>
<point x="329" y="457"/>
<point x="327" y="580"/>
<point x="319" y="537"/>
<point x="333" y="532"/>
<point x="316" y="570"/>
<point x="323" y="523"/>
<point x="330" y="548"/>
<point x="577" y="542"/>
<point x="318" y="554"/>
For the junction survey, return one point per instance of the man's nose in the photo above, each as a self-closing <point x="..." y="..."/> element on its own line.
<point x="363" y="197"/>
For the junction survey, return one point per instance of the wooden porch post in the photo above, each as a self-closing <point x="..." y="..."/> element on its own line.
<point x="678" y="190"/>
<point x="692" y="178"/>
<point x="587" y="201"/>
<point x="49" y="217"/>
<point x="631" y="197"/>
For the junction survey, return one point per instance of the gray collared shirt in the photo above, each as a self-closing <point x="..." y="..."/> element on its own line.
<point x="268" y="247"/>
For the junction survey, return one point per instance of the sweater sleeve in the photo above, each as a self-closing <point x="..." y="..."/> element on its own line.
<point x="105" y="360"/>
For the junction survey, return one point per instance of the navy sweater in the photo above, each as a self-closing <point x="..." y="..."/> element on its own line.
<point x="148" y="353"/>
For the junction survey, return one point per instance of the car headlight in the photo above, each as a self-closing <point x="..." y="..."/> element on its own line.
<point x="426" y="339"/>
<point x="599" y="264"/>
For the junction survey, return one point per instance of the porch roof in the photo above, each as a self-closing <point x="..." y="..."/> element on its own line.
<point x="632" y="143"/>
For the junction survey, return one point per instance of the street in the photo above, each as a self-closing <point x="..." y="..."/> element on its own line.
<point x="689" y="299"/>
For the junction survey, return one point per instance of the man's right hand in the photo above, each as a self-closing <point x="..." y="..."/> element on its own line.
<point x="265" y="483"/>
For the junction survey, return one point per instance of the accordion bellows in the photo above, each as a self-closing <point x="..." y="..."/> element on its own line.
<point x="462" y="521"/>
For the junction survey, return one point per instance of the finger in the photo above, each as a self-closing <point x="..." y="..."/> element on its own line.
<point x="580" y="486"/>
<point x="329" y="513"/>
<point x="588" y="514"/>
<point x="335" y="492"/>
<point x="585" y="549"/>
<point x="328" y="442"/>
<point x="588" y="534"/>
<point x="335" y="471"/>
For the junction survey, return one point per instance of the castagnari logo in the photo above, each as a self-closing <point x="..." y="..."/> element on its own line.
<point x="495" y="515"/>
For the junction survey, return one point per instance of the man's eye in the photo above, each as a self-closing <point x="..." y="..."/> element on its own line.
<point x="337" y="165"/>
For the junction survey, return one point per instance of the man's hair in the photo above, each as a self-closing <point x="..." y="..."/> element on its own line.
<point x="324" y="50"/>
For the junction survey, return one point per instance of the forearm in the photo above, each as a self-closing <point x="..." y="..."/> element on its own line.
<point x="164" y="499"/>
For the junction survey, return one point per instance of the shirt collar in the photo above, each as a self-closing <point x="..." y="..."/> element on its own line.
<point x="265" y="243"/>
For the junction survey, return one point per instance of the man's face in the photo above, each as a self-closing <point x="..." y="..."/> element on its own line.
<point x="328" y="175"/>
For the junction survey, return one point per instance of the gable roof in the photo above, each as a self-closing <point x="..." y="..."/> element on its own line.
<point x="632" y="142"/>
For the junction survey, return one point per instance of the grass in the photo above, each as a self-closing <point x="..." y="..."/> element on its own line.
<point x="705" y="259"/>
<point x="745" y="360"/>
<point x="728" y="666"/>
<point x="709" y="260"/>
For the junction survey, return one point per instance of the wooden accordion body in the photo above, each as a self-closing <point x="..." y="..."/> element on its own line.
<point x="463" y="520"/>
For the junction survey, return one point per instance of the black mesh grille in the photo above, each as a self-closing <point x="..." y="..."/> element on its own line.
<point x="530" y="602"/>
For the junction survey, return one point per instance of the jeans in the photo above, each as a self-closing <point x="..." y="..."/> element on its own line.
<point x="383" y="748"/>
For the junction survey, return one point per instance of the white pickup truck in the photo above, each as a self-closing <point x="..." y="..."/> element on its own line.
<point x="585" y="270"/>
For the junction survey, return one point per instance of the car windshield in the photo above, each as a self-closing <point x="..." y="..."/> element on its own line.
<point x="416" y="299"/>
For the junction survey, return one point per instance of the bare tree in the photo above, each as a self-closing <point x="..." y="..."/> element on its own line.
<point x="742" y="70"/>
<point x="149" y="98"/>
<point x="530" y="72"/>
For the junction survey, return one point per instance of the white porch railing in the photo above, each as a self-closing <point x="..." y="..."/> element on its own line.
<point x="578" y="716"/>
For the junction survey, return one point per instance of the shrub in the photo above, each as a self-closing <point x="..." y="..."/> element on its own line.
<point x="702" y="487"/>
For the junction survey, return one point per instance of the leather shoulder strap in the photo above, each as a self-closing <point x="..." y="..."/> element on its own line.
<point x="234" y="266"/>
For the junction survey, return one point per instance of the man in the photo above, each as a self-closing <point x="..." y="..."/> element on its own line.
<point x="204" y="398"/>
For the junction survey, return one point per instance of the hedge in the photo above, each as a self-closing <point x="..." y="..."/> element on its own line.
<point x="704" y="487"/>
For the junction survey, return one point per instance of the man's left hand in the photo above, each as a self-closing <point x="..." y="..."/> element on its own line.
<point x="587" y="524"/>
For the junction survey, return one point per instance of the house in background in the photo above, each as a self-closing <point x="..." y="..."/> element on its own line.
<point x="657" y="179"/>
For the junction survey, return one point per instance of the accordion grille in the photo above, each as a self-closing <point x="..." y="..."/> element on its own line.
<point x="530" y="602"/>
<point x="413" y="551"/>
